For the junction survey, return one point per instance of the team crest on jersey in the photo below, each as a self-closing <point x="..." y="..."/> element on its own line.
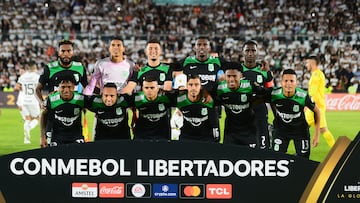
<point x="259" y="79"/>
<point x="76" y="111"/>
<point x="211" y="67"/>
<point x="162" y="76"/>
<point x="296" y="108"/>
<point x="161" y="107"/>
<point x="76" y="76"/>
<point x="243" y="98"/>
<point x="204" y="111"/>
<point x="118" y="111"/>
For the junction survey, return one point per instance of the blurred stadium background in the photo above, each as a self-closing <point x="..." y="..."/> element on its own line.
<point x="286" y="30"/>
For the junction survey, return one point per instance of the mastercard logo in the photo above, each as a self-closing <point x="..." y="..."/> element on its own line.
<point x="192" y="191"/>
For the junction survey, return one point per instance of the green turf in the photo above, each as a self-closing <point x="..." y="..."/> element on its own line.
<point x="11" y="132"/>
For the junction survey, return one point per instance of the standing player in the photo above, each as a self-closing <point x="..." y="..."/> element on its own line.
<point x="201" y="121"/>
<point x="259" y="74"/>
<point x="154" y="68"/>
<point x="236" y="96"/>
<point x="64" y="65"/>
<point x="114" y="69"/>
<point x="288" y="104"/>
<point x="207" y="67"/>
<point x="111" y="114"/>
<point x="317" y="92"/>
<point x="63" y="108"/>
<point x="30" y="106"/>
<point x="153" y="122"/>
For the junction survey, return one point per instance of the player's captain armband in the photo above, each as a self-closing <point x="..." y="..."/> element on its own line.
<point x="180" y="80"/>
<point x="269" y="84"/>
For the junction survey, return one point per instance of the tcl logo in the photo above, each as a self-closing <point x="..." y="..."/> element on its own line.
<point x="111" y="190"/>
<point x="218" y="191"/>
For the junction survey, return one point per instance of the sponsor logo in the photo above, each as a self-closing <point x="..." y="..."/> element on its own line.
<point x="111" y="190"/>
<point x="287" y="118"/>
<point x="278" y="105"/>
<point x="303" y="151"/>
<point x="211" y="67"/>
<point x="192" y="67"/>
<point x="218" y="191"/>
<point x="84" y="190"/>
<point x="165" y="190"/>
<point x="192" y="191"/>
<point x="101" y="112"/>
<point x="296" y="108"/>
<point x="138" y="190"/>
<point x="59" y="111"/>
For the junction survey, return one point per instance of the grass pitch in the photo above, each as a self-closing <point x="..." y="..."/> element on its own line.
<point x="340" y="123"/>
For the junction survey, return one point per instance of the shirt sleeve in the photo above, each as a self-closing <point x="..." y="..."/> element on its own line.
<point x="309" y="103"/>
<point x="84" y="79"/>
<point x="134" y="76"/>
<point x="44" y="77"/>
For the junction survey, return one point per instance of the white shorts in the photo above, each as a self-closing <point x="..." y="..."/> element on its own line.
<point x="32" y="110"/>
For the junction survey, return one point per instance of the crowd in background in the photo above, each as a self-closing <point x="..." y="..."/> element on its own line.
<point x="286" y="30"/>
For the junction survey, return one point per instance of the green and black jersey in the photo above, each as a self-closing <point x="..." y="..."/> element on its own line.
<point x="237" y="103"/>
<point x="200" y="120"/>
<point x="153" y="121"/>
<point x="289" y="111"/>
<point x="52" y="71"/>
<point x="65" y="117"/>
<point x="255" y="74"/>
<point x="112" y="121"/>
<point x="162" y="73"/>
<point x="207" y="70"/>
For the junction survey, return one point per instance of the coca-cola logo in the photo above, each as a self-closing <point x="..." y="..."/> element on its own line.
<point x="342" y="102"/>
<point x="111" y="190"/>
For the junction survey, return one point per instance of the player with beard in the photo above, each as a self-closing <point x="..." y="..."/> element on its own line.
<point x="200" y="122"/>
<point x="236" y="96"/>
<point x="288" y="103"/>
<point x="260" y="74"/>
<point x="65" y="65"/>
<point x="64" y="109"/>
<point x="111" y="114"/>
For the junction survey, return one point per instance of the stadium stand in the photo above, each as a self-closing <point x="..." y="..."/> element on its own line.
<point x="287" y="31"/>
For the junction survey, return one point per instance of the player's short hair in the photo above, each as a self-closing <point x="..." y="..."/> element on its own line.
<point x="65" y="41"/>
<point x="193" y="76"/>
<point x="149" y="79"/>
<point x="117" y="38"/>
<point x="288" y="72"/>
<point x="110" y="85"/>
<point x="250" y="42"/>
<point x="153" y="41"/>
<point x="66" y="77"/>
<point x="313" y="57"/>
<point x="32" y="66"/>
<point x="231" y="66"/>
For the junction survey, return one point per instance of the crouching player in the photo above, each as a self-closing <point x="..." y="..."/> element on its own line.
<point x="288" y="102"/>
